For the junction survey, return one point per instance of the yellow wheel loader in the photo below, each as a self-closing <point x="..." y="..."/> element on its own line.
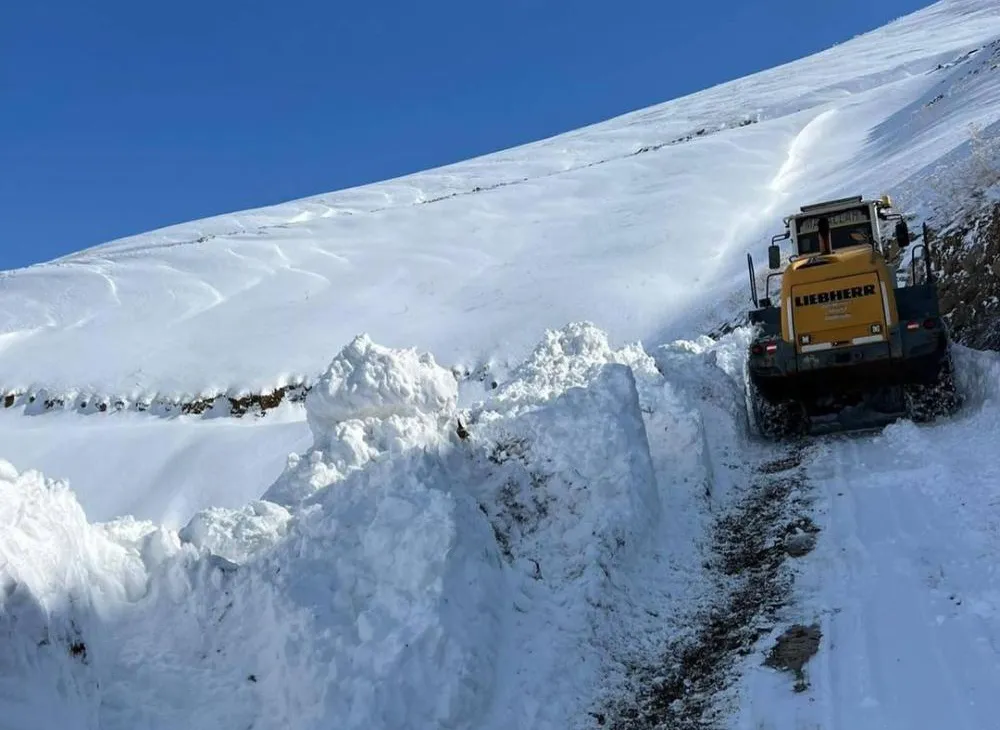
<point x="849" y="343"/>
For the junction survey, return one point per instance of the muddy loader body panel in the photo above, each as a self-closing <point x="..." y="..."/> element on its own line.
<point x="844" y="346"/>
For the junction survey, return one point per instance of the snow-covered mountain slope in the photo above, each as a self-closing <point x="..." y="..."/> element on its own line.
<point x="586" y="538"/>
<point x="639" y="224"/>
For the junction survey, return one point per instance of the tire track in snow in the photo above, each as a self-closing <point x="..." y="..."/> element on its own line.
<point x="910" y="518"/>
<point x="841" y="534"/>
<point x="905" y="647"/>
<point x="840" y="530"/>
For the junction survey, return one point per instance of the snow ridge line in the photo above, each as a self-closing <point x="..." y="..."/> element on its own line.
<point x="227" y="404"/>
<point x="222" y="405"/>
<point x="230" y="403"/>
<point x="82" y="257"/>
<point x="704" y="131"/>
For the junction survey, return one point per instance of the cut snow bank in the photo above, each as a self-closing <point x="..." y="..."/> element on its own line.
<point x="977" y="375"/>
<point x="403" y="572"/>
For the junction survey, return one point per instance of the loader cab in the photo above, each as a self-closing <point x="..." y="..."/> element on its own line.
<point x="845" y="223"/>
<point x="850" y="221"/>
<point x="850" y="224"/>
<point x="841" y="294"/>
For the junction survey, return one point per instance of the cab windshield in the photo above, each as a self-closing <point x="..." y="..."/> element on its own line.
<point x="851" y="227"/>
<point x="840" y="237"/>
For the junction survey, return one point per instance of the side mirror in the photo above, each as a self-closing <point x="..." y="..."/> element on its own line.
<point x="902" y="234"/>
<point x="774" y="256"/>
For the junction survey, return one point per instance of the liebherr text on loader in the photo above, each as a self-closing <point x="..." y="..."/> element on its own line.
<point x="846" y="346"/>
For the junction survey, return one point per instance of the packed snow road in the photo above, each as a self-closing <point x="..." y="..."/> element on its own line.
<point x="903" y="584"/>
<point x="688" y="683"/>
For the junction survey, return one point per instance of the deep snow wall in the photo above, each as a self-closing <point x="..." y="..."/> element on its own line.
<point x="424" y="563"/>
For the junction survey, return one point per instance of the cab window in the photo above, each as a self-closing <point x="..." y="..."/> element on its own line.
<point x="842" y="237"/>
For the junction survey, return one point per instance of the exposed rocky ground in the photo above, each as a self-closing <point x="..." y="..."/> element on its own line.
<point x="965" y="259"/>
<point x="40" y="401"/>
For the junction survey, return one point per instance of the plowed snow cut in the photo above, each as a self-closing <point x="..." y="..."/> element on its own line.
<point x="752" y="543"/>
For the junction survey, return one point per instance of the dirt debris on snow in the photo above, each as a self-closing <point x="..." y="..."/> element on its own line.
<point x="779" y="465"/>
<point x="683" y="688"/>
<point x="793" y="650"/>
<point x="800" y="537"/>
<point x="799" y="544"/>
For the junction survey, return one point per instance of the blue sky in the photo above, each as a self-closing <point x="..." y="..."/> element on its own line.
<point x="123" y="117"/>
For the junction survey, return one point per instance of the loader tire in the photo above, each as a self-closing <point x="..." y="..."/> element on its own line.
<point x="774" y="421"/>
<point x="928" y="402"/>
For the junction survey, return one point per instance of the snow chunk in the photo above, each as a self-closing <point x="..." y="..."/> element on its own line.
<point x="372" y="403"/>
<point x="7" y="472"/>
<point x="45" y="527"/>
<point x="58" y="578"/>
<point x="570" y="490"/>
<point x="142" y="633"/>
<point x="569" y="357"/>
<point x="128" y="532"/>
<point x="370" y="381"/>
<point x="581" y="464"/>
<point x="398" y="564"/>
<point x="237" y="534"/>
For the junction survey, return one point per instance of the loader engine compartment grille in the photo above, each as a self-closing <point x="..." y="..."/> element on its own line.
<point x="840" y="312"/>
